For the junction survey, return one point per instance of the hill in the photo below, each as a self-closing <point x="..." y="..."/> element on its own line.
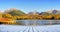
<point x="14" y="12"/>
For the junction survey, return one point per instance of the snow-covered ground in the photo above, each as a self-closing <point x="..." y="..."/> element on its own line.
<point x="18" y="28"/>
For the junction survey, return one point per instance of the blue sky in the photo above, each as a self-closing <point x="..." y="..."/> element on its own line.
<point x="30" y="5"/>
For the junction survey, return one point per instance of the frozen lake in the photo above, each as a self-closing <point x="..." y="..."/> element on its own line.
<point x="18" y="28"/>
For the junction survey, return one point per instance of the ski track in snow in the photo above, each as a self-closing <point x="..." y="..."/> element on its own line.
<point x="18" y="28"/>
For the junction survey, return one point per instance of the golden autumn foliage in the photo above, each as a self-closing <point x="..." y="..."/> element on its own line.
<point x="31" y="17"/>
<point x="6" y="21"/>
<point x="9" y="19"/>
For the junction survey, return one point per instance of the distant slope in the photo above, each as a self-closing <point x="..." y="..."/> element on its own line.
<point x="33" y="13"/>
<point x="44" y="13"/>
<point x="54" y="11"/>
<point x="14" y="12"/>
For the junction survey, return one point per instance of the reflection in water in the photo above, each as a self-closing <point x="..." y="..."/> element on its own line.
<point x="38" y="22"/>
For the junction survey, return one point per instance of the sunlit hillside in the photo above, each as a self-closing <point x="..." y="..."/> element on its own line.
<point x="14" y="12"/>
